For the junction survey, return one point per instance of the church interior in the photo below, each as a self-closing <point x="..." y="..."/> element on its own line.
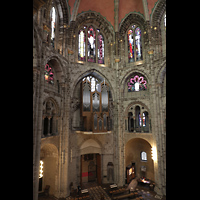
<point x="99" y="99"/>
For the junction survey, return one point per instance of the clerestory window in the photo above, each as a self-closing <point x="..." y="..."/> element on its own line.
<point x="134" y="44"/>
<point x="91" y="45"/>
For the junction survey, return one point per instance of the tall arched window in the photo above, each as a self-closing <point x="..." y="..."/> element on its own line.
<point x="81" y="45"/>
<point x="91" y="44"/>
<point x="53" y="25"/>
<point x="94" y="51"/>
<point x="134" y="44"/>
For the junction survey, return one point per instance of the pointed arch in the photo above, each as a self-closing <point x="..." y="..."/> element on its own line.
<point x="97" y="74"/>
<point x="131" y="18"/>
<point x="158" y="12"/>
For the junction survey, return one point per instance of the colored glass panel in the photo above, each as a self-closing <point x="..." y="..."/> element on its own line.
<point x="100" y="49"/>
<point x="91" y="44"/>
<point x="130" y="46"/>
<point x="138" y="44"/>
<point x="48" y="76"/>
<point x="136" y="84"/>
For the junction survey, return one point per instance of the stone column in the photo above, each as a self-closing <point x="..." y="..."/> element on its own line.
<point x="37" y="132"/>
<point x="42" y="134"/>
<point x="146" y="11"/>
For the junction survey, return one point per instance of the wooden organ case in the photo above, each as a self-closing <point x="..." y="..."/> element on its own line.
<point x="94" y="107"/>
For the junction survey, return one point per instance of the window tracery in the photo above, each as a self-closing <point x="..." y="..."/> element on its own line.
<point x="94" y="51"/>
<point x="136" y="84"/>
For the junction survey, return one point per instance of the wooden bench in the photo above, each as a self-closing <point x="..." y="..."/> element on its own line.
<point x="119" y="191"/>
<point x="124" y="196"/>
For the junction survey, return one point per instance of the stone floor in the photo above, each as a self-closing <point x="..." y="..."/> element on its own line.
<point x="96" y="191"/>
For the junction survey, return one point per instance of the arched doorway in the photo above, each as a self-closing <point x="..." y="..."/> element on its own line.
<point x="138" y="153"/>
<point x="91" y="168"/>
<point x="90" y="162"/>
<point x="49" y="157"/>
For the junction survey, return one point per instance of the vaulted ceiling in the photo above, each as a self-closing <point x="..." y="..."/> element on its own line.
<point x="105" y="7"/>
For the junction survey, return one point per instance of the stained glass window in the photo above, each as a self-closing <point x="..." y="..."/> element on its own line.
<point x="95" y="49"/>
<point x="134" y="44"/>
<point x="100" y="49"/>
<point x="48" y="76"/>
<point x="142" y="120"/>
<point x="81" y="46"/>
<point x="53" y="24"/>
<point x="136" y="84"/>
<point x="91" y="44"/>
<point x="130" y="46"/>
<point x="138" y="44"/>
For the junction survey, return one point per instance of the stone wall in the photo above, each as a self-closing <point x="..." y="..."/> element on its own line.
<point x="69" y="72"/>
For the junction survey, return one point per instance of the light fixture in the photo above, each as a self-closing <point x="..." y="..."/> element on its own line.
<point x="41" y="169"/>
<point x="154" y="153"/>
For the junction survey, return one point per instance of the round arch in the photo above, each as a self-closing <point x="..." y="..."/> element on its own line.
<point x="137" y="103"/>
<point x="49" y="156"/>
<point x="57" y="65"/>
<point x="129" y="73"/>
<point x="90" y="146"/>
<point x="123" y="83"/>
<point x="133" y="149"/>
<point x="54" y="102"/>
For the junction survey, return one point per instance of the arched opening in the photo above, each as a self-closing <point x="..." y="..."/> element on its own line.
<point x="91" y="104"/>
<point x="138" y="151"/>
<point x="90" y="163"/>
<point x="49" y="157"/>
<point x="110" y="172"/>
<point x="50" y="117"/>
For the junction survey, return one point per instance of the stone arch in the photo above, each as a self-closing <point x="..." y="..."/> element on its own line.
<point x="90" y="146"/>
<point x="136" y="103"/>
<point x="131" y="18"/>
<point x="142" y="138"/>
<point x="124" y="80"/>
<point x="97" y="19"/>
<point x="57" y="65"/>
<point x="133" y="149"/>
<point x="96" y="73"/>
<point x="49" y="156"/>
<point x="55" y="103"/>
<point x="130" y="72"/>
<point x="158" y="12"/>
